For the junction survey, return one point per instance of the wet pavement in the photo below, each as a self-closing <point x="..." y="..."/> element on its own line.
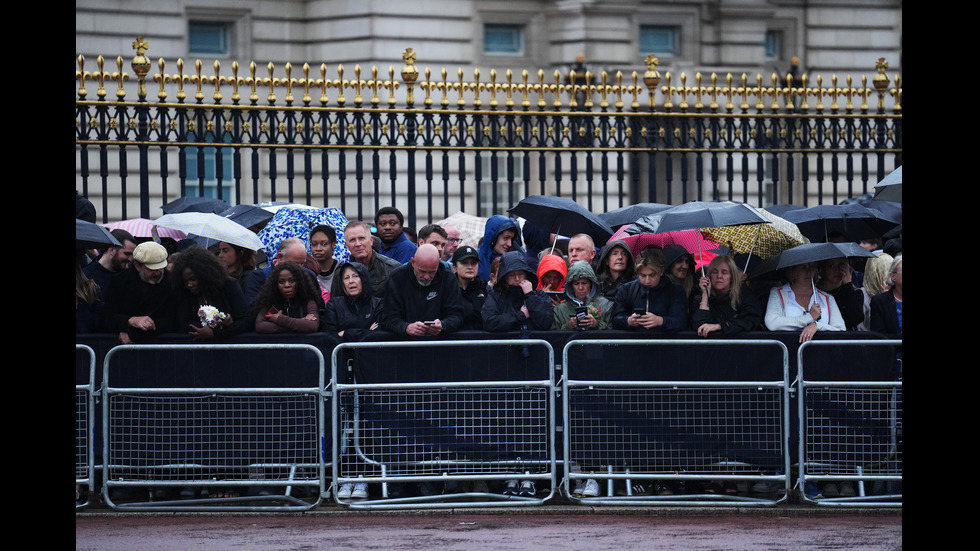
<point x="569" y="528"/>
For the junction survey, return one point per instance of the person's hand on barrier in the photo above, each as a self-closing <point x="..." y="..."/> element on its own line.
<point x="707" y="328"/>
<point x="372" y="328"/>
<point x="272" y="315"/>
<point x="124" y="338"/>
<point x="143" y="323"/>
<point x="199" y="334"/>
<point x="808" y="332"/>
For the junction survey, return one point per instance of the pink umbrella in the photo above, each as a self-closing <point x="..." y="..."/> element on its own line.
<point x="691" y="240"/>
<point x="141" y="227"/>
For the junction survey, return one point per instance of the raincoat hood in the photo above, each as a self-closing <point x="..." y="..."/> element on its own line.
<point x="552" y="262"/>
<point x="602" y="267"/>
<point x="337" y="287"/>
<point x="513" y="261"/>
<point x="495" y="225"/>
<point x="581" y="270"/>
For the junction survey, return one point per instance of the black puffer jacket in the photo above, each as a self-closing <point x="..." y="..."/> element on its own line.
<point x="352" y="315"/>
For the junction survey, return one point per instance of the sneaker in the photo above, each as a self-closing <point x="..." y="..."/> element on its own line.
<point x="763" y="487"/>
<point x="579" y="486"/>
<point x="480" y="487"/>
<point x="527" y="488"/>
<point x="345" y="491"/>
<point x="847" y="489"/>
<point x="640" y="489"/>
<point x="829" y="489"/>
<point x="359" y="491"/>
<point x="811" y="491"/>
<point x="511" y="488"/>
<point x="662" y="489"/>
<point x="590" y="488"/>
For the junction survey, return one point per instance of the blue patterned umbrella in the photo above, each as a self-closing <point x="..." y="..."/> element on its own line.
<point x="297" y="222"/>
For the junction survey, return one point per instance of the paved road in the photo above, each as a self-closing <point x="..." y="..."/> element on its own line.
<point x="446" y="532"/>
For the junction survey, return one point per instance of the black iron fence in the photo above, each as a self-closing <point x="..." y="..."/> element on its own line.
<point x="434" y="145"/>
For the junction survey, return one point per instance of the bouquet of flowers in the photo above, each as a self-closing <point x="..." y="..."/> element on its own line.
<point x="211" y="316"/>
<point x="595" y="311"/>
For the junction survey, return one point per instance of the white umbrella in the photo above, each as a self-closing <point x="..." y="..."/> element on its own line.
<point x="211" y="226"/>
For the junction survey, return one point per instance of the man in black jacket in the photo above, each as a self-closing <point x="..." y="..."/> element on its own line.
<point x="422" y="297"/>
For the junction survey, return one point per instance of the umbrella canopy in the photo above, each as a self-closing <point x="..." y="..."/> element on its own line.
<point x="252" y="217"/>
<point x="764" y="240"/>
<point x="691" y="240"/>
<point x="780" y="210"/>
<point x="195" y="204"/>
<point x="562" y="216"/>
<point x="701" y="214"/>
<point x="471" y="228"/>
<point x="809" y="252"/>
<point x="93" y="236"/>
<point x="291" y="221"/>
<point x="890" y="187"/>
<point x="143" y="227"/>
<point x="854" y="221"/>
<point x="632" y="213"/>
<point x="212" y="227"/>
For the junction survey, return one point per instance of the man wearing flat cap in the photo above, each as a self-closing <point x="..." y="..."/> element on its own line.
<point x="139" y="303"/>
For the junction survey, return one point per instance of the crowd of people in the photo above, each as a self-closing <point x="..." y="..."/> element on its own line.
<point x="432" y="285"/>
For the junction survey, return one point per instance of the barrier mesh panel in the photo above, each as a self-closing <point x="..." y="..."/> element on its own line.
<point x="454" y="431"/>
<point x="221" y="437"/>
<point x="676" y="429"/>
<point x="81" y="434"/>
<point x="848" y="429"/>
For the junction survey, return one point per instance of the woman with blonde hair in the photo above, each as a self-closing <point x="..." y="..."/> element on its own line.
<point x="721" y="309"/>
<point x="875" y="282"/>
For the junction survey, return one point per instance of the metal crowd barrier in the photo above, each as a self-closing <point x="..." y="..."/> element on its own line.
<point x="214" y="427"/>
<point x="683" y="422"/>
<point x="428" y="424"/>
<point x="84" y="424"/>
<point x="850" y="451"/>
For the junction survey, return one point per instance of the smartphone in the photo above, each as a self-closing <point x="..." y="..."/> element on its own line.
<point x="639" y="311"/>
<point x="429" y="322"/>
<point x="581" y="312"/>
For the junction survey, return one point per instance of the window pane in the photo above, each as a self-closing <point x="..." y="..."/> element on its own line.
<point x="658" y="40"/>
<point x="503" y="39"/>
<point x="774" y="44"/>
<point x="208" y="38"/>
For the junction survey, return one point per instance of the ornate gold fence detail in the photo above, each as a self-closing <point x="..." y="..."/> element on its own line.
<point x="728" y="137"/>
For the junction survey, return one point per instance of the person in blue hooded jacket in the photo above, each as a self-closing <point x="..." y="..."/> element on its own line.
<point x="501" y="234"/>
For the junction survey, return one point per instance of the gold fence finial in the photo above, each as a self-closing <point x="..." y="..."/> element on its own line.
<point x="880" y="82"/>
<point x="120" y="77"/>
<point x="410" y="74"/>
<point x="141" y="65"/>
<point x="80" y="76"/>
<point x="651" y="78"/>
<point x="162" y="79"/>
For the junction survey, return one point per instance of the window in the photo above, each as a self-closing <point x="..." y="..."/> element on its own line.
<point x="209" y="38"/>
<point x="503" y="39"/>
<point x="210" y="161"/>
<point x="773" y="45"/>
<point x="659" y="40"/>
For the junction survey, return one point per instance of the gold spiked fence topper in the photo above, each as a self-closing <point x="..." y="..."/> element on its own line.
<point x="323" y="86"/>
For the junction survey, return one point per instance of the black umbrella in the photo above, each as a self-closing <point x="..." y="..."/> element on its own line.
<point x="252" y="217"/>
<point x="854" y="221"/>
<point x="779" y="210"/>
<point x="93" y="236"/>
<point x="699" y="214"/>
<point x="562" y="216"/>
<point x="195" y="204"/>
<point x="632" y="213"/>
<point x="804" y="254"/>
<point x="890" y="187"/>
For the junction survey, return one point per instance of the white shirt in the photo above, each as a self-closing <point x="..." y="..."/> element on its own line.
<point x="783" y="313"/>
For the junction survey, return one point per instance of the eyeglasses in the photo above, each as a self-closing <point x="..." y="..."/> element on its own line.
<point x="455" y="240"/>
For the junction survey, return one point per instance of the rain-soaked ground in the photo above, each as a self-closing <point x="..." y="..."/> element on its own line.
<point x="564" y="528"/>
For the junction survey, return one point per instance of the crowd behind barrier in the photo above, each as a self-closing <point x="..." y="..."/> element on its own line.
<point x="389" y="365"/>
